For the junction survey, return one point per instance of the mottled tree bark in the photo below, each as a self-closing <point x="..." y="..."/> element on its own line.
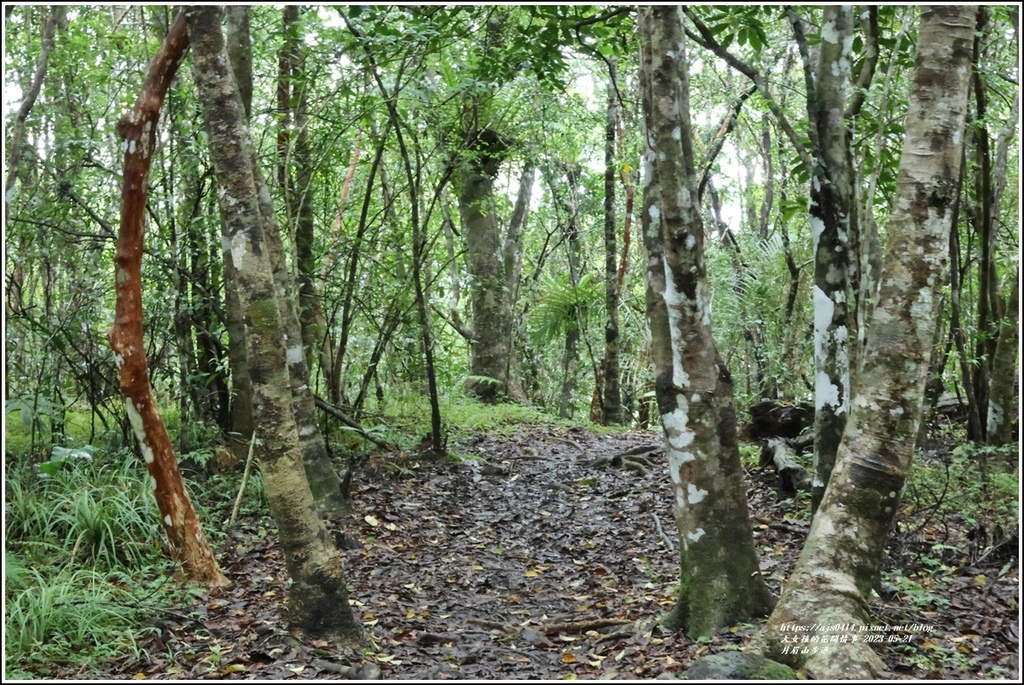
<point x="239" y="42"/>
<point x="138" y="129"/>
<point x="321" y="474"/>
<point x="318" y="598"/>
<point x="1002" y="395"/>
<point x="829" y="589"/>
<point x="833" y="234"/>
<point x="720" y="582"/>
<point x="490" y="349"/>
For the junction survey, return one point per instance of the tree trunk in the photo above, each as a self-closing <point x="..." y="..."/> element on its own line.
<point x="983" y="216"/>
<point x="611" y="400"/>
<point x="834" y="250"/>
<point x="571" y="238"/>
<point x="720" y="582"/>
<point x="318" y="599"/>
<point x="17" y="140"/>
<point x="242" y="422"/>
<point x="322" y="477"/>
<point x="138" y="129"/>
<point x="1002" y="394"/>
<point x="492" y="316"/>
<point x="828" y="591"/>
<point x="296" y="153"/>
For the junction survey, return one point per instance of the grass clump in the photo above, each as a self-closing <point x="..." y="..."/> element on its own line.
<point x="68" y="615"/>
<point x="81" y="553"/>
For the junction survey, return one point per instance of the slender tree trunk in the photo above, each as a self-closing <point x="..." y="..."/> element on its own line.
<point x="611" y="400"/>
<point x="318" y="599"/>
<point x="513" y="255"/>
<point x="983" y="214"/>
<point x="832" y="230"/>
<point x="351" y="284"/>
<point x="828" y="592"/>
<point x="719" y="580"/>
<point x="1002" y="394"/>
<point x="242" y="422"/>
<point x="138" y="129"/>
<point x="569" y="202"/>
<point x="955" y="326"/>
<point x="17" y="139"/>
<point x="294" y="151"/>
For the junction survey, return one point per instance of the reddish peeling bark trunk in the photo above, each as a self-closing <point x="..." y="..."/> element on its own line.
<point x="138" y="129"/>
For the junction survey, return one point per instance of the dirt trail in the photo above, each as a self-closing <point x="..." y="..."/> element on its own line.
<point x="538" y="557"/>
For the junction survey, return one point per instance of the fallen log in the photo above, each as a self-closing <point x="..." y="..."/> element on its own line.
<point x="791" y="475"/>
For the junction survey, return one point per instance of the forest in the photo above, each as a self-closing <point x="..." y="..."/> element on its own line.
<point x="542" y="342"/>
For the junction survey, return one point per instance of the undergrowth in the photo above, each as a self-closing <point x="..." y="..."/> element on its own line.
<point x="83" y="564"/>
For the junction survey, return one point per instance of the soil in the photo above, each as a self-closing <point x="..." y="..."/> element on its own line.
<point x="541" y="556"/>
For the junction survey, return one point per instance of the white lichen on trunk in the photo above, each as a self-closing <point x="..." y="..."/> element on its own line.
<point x="832" y="582"/>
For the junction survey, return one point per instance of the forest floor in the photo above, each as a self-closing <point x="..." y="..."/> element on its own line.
<point x="531" y="560"/>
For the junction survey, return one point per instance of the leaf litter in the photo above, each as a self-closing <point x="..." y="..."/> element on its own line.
<point x="537" y="557"/>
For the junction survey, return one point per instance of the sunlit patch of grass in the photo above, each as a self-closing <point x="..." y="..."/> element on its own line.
<point x="466" y="416"/>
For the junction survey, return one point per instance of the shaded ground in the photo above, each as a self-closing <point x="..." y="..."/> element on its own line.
<point x="535" y="562"/>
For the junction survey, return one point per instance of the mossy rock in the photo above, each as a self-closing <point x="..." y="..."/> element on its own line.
<point x="738" y="666"/>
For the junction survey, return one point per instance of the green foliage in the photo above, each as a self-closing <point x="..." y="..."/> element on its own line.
<point x="749" y="316"/>
<point x="81" y="550"/>
<point x="91" y="511"/>
<point x="558" y="304"/>
<point x="976" y="484"/>
<point x="74" y="615"/>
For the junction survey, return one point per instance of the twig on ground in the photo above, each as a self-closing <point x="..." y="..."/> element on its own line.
<point x="582" y="626"/>
<point x="661" y="531"/>
<point x="245" y="479"/>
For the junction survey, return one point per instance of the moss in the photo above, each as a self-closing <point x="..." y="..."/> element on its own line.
<point x="864" y="503"/>
<point x="738" y="666"/>
<point x="707" y="604"/>
<point x="263" y="315"/>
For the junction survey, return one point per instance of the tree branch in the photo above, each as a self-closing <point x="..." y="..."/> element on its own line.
<point x="705" y="39"/>
<point x="352" y="423"/>
<point x="724" y="129"/>
<point x="867" y="72"/>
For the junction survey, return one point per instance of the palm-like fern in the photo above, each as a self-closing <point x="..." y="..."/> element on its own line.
<point x="558" y="303"/>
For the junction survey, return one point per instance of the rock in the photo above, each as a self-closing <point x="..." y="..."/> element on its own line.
<point x="738" y="666"/>
<point x="368" y="672"/>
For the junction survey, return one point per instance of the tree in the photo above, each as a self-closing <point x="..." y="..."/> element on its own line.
<point x="53" y="18"/>
<point x="318" y="598"/>
<point x="841" y="560"/>
<point x="138" y="129"/>
<point x="611" y="398"/>
<point x="720" y="581"/>
<point x="839" y="289"/>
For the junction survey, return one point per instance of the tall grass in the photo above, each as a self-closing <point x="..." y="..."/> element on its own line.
<point x="72" y="615"/>
<point x="81" y="549"/>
